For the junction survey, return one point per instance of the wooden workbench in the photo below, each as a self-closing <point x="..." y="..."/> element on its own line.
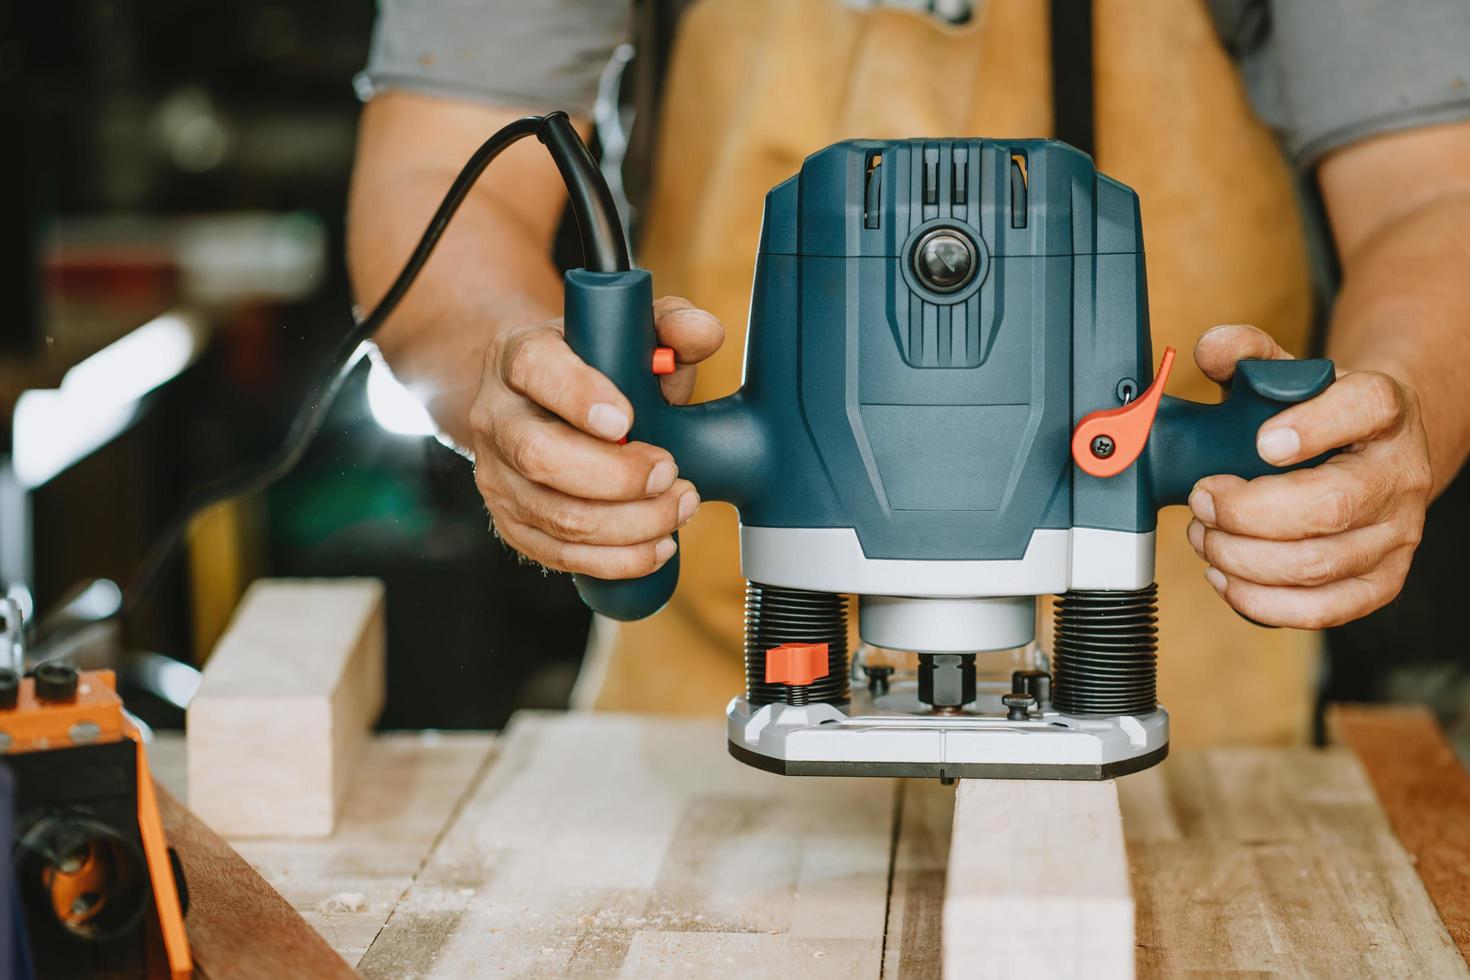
<point x="607" y="845"/>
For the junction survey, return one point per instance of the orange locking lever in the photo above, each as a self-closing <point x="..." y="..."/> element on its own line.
<point x="796" y="663"/>
<point x="1106" y="442"/>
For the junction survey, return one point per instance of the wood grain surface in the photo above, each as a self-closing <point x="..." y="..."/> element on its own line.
<point x="1425" y="790"/>
<point x="404" y="793"/>
<point x="610" y="845"/>
<point x="1274" y="861"/>
<point x="239" y="927"/>
<point x="604" y="845"/>
<point x="1038" y="881"/>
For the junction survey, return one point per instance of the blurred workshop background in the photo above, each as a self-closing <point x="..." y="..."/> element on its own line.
<point x="172" y="191"/>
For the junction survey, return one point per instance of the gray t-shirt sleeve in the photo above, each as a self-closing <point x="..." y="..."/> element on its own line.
<point x="1324" y="73"/>
<point x="532" y="54"/>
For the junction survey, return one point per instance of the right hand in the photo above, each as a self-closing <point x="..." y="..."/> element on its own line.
<point x="544" y="430"/>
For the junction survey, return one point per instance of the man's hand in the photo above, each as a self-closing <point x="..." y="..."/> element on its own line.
<point x="545" y="429"/>
<point x="1317" y="547"/>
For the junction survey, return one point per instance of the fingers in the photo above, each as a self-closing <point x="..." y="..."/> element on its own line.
<point x="1313" y="608"/>
<point x="536" y="363"/>
<point x="579" y="521"/>
<point x="694" y="334"/>
<point x="546" y="451"/>
<point x="1220" y="347"/>
<point x="1349" y="490"/>
<point x="602" y="561"/>
<point x="1311" y="562"/>
<point x="1361" y="405"/>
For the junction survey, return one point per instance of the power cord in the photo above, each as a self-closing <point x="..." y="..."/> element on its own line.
<point x="604" y="249"/>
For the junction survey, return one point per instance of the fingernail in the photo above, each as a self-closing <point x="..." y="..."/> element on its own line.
<point x="1196" y="535"/>
<point x="664" y="550"/>
<point x="688" y="504"/>
<point x="1279" y="445"/>
<point x="1203" y="506"/>
<point x="661" y="477"/>
<point x="607" y="421"/>
<point x="1216" y="578"/>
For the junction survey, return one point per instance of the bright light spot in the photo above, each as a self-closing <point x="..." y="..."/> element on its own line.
<point x="51" y="432"/>
<point x="393" y="405"/>
<point x="54" y="428"/>
<point x="126" y="370"/>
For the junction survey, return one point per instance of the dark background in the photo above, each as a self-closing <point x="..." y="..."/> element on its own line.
<point x="126" y="121"/>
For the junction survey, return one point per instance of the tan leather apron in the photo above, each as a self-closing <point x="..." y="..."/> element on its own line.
<point x="756" y="85"/>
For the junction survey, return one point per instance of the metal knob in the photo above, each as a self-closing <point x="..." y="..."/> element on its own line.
<point x="944" y="260"/>
<point x="1018" y="705"/>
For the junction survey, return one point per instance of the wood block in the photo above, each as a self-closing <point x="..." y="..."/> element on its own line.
<point x="284" y="708"/>
<point x="1038" y="882"/>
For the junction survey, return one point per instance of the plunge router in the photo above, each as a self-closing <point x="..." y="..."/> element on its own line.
<point x="948" y="409"/>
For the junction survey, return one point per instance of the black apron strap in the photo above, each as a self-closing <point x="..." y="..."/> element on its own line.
<point x="1071" y="73"/>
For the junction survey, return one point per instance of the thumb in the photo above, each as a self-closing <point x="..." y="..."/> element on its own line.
<point x="1219" y="348"/>
<point x="694" y="334"/>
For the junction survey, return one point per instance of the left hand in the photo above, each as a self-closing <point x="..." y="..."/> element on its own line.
<point x="1317" y="547"/>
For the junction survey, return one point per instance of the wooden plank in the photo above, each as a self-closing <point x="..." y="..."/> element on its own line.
<point x="239" y="928"/>
<point x="622" y="846"/>
<point x="407" y="789"/>
<point x="911" y="939"/>
<point x="1274" y="861"/>
<point x="1038" y="881"/>
<point x="1425" y="790"/>
<point x="284" y="707"/>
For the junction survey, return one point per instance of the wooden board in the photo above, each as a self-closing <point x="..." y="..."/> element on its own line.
<point x="284" y="707"/>
<point x="1038" y="881"/>
<point x="239" y="927"/>
<point x="923" y="826"/>
<point x="1425" y="790"/>
<point x="408" y="788"/>
<point x="598" y="842"/>
<point x="1274" y="861"/>
<point x="611" y="845"/>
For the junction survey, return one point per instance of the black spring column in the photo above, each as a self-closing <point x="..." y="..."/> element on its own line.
<point x="1105" y="656"/>
<point x="774" y="616"/>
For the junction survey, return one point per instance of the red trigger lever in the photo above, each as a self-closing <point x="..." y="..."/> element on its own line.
<point x="1106" y="442"/>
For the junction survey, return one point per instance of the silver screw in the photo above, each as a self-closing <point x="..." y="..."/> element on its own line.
<point x="83" y="732"/>
<point x="1102" y="447"/>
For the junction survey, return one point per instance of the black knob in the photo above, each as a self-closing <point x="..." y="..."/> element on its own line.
<point x="56" y="682"/>
<point x="1018" y="705"/>
<point x="9" y="687"/>
<point x="945" y="260"/>
<point x="1036" y="683"/>
<point x="878" y="679"/>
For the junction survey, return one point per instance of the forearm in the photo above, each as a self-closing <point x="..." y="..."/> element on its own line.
<point x="492" y="269"/>
<point x="1405" y="310"/>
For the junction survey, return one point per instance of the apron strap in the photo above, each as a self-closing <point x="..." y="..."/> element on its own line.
<point x="1073" y="112"/>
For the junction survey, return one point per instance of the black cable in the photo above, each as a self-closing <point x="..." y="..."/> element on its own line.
<point x="603" y="246"/>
